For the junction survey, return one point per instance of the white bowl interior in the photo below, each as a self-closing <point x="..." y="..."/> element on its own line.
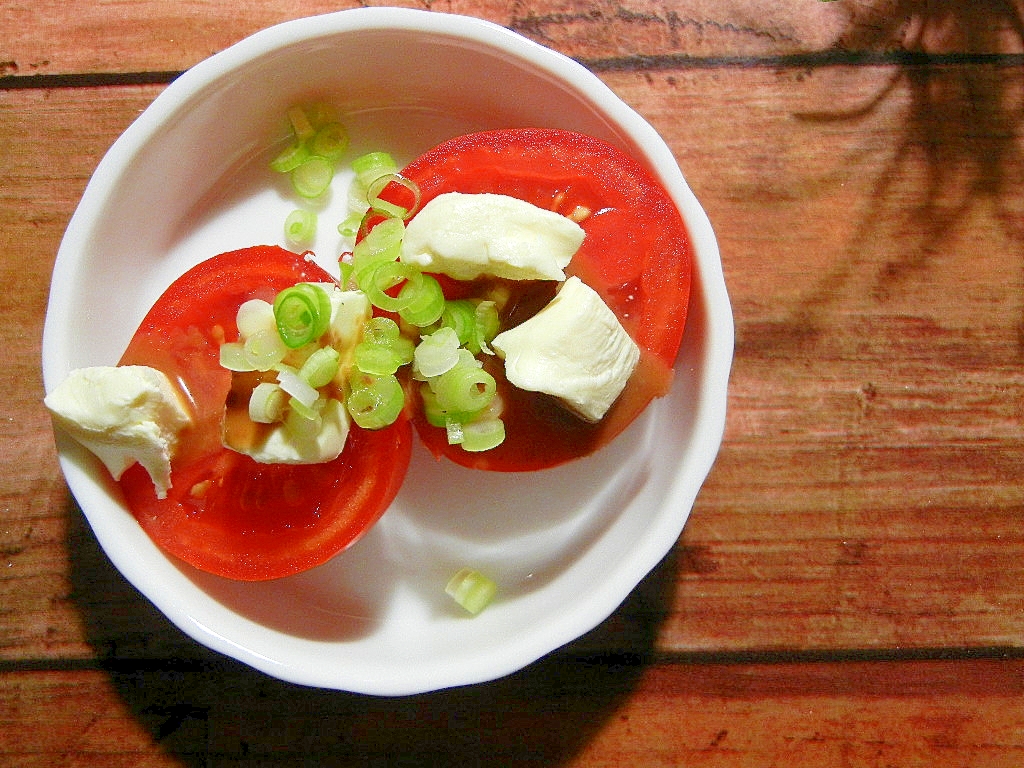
<point x="189" y="180"/>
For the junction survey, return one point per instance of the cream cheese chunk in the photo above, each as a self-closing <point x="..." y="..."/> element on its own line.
<point x="123" y="414"/>
<point x="574" y="349"/>
<point x="323" y="441"/>
<point x="350" y="311"/>
<point x="466" y="236"/>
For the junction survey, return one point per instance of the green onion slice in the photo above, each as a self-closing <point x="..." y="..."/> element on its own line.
<point x="330" y="141"/>
<point x="350" y="226"/>
<point x="321" y="367"/>
<point x="486" y="326"/>
<point x="296" y="386"/>
<point x="302" y="313"/>
<point x="264" y="349"/>
<point x="313" y="176"/>
<point x="372" y="166"/>
<point x="460" y="316"/>
<point x="267" y="402"/>
<point x="382" y="245"/>
<point x="233" y="357"/>
<point x="301" y="126"/>
<point x="375" y="401"/>
<point x="385" y="277"/>
<point x="437" y="353"/>
<point x="290" y="158"/>
<point x="300" y="227"/>
<point x="464" y="388"/>
<point x="482" y="435"/>
<point x="422" y="300"/>
<point x="471" y="589"/>
<point x="376" y="188"/>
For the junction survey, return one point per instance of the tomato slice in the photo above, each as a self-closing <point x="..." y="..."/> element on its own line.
<point x="225" y="513"/>
<point x="636" y="255"/>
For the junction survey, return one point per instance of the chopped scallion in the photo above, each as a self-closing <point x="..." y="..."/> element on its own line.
<point x="290" y="158"/>
<point x="437" y="353"/>
<point x="254" y="315"/>
<point x="233" y="357"/>
<point x="350" y="226"/>
<point x="313" y="176"/>
<point x="300" y="227"/>
<point x="296" y="386"/>
<point x="423" y="301"/>
<point x="471" y="589"/>
<point x="264" y="349"/>
<point x="375" y="401"/>
<point x="330" y="141"/>
<point x="303" y="313"/>
<point x="372" y="166"/>
<point x="321" y="367"/>
<point x="266" y="403"/>
<point x="464" y="388"/>
<point x="482" y="435"/>
<point x="396" y="184"/>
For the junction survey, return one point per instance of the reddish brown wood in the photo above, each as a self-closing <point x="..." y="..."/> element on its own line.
<point x="864" y="515"/>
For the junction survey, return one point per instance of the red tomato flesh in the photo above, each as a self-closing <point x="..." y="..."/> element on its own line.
<point x="636" y="255"/>
<point x="225" y="513"/>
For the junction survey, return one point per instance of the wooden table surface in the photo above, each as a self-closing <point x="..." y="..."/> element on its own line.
<point x="849" y="589"/>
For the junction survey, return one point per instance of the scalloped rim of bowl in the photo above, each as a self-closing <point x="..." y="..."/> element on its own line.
<point x="710" y="315"/>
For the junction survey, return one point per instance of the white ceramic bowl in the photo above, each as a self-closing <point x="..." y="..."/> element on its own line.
<point x="188" y="180"/>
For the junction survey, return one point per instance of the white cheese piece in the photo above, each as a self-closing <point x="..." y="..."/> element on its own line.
<point x="350" y="311"/>
<point x="322" y="442"/>
<point x="466" y="236"/>
<point x="124" y="414"/>
<point x="574" y="349"/>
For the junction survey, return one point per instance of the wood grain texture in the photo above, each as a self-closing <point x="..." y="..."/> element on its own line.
<point x="144" y="37"/>
<point x="43" y="38"/>
<point x="867" y="494"/>
<point x="848" y="588"/>
<point x="873" y="715"/>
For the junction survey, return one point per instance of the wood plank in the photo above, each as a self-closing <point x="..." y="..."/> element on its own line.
<point x="53" y="38"/>
<point x="574" y="714"/>
<point x="867" y="494"/>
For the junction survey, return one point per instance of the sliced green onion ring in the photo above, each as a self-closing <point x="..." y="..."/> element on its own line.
<point x="233" y="357"/>
<point x="376" y="202"/>
<point x="387" y="276"/>
<point x="464" y="388"/>
<point x="375" y="401"/>
<point x="321" y="367"/>
<point x="437" y="353"/>
<point x="350" y="226"/>
<point x="313" y="176"/>
<point x="264" y="349"/>
<point x="301" y="126"/>
<point x="471" y="589"/>
<point x="372" y="166"/>
<point x="482" y="435"/>
<point x="382" y="245"/>
<point x="296" y="386"/>
<point x="267" y="403"/>
<point x="254" y="315"/>
<point x="330" y="141"/>
<point x="300" y="227"/>
<point x="290" y="158"/>
<point x="486" y="326"/>
<point x="423" y="300"/>
<point x="459" y="315"/>
<point x="302" y="313"/>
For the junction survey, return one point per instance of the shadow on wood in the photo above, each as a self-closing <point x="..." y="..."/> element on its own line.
<point x="210" y="710"/>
